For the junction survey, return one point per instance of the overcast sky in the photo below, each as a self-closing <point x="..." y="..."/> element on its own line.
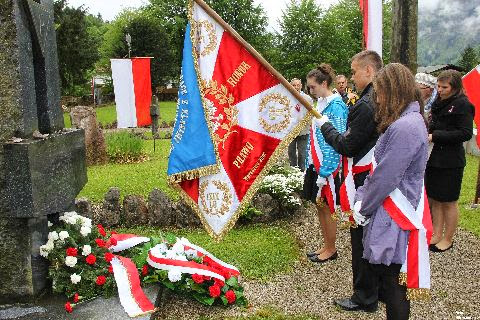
<point x="110" y="8"/>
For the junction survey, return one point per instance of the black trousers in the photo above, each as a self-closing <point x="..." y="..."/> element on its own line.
<point x="394" y="294"/>
<point x="365" y="292"/>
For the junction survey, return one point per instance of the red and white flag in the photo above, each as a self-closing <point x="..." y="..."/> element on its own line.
<point x="133" y="91"/>
<point x="471" y="83"/>
<point x="372" y="24"/>
<point x="253" y="117"/>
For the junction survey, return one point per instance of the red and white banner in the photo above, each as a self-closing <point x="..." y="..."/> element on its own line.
<point x="133" y="91"/>
<point x="471" y="83"/>
<point x="372" y="24"/>
<point x="253" y="117"/>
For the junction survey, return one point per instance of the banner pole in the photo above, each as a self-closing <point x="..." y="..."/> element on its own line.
<point x="258" y="56"/>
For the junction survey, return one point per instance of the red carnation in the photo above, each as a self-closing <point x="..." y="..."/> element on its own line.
<point x="113" y="242"/>
<point x="214" y="291"/>
<point x="101" y="280"/>
<point x="145" y="270"/>
<point x="197" y="278"/>
<point x="227" y="275"/>
<point x="100" y="243"/>
<point x="72" y="252"/>
<point x="208" y="278"/>
<point x="110" y="269"/>
<point x="91" y="259"/>
<point x="75" y="298"/>
<point x="230" y="295"/>
<point x="108" y="256"/>
<point x="219" y="282"/>
<point x="101" y="230"/>
<point x="68" y="307"/>
<point x="113" y="232"/>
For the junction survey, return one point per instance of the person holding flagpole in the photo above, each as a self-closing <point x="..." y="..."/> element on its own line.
<point x="356" y="145"/>
<point x="322" y="176"/>
<point x="392" y="204"/>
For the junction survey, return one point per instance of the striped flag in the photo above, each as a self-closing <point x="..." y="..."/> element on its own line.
<point x="253" y="115"/>
<point x="372" y="24"/>
<point x="133" y="91"/>
<point x="471" y="83"/>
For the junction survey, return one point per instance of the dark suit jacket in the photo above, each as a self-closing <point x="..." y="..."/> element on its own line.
<point x="451" y="125"/>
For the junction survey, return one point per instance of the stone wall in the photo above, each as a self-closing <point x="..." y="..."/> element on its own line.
<point x="159" y="211"/>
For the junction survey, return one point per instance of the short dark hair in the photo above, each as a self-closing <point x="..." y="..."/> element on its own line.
<point x="369" y="58"/>
<point x="454" y="78"/>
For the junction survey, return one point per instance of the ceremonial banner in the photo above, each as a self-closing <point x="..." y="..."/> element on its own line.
<point x="471" y="83"/>
<point x="252" y="114"/>
<point x="372" y="24"/>
<point x="133" y="91"/>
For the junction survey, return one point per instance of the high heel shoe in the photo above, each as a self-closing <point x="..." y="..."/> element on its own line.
<point x="317" y="259"/>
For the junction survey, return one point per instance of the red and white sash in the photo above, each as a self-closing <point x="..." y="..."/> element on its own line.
<point x="419" y="222"/>
<point x="347" y="189"/>
<point x="328" y="190"/>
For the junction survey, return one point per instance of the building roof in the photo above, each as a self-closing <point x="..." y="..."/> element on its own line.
<point x="439" y="67"/>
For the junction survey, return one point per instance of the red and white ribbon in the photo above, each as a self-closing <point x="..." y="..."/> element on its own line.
<point x="130" y="293"/>
<point x="125" y="241"/>
<point x="347" y="189"/>
<point x="418" y="221"/>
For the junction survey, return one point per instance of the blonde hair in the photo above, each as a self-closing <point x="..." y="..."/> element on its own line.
<point x="395" y="89"/>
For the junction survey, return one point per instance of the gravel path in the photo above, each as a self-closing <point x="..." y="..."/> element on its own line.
<point x="310" y="288"/>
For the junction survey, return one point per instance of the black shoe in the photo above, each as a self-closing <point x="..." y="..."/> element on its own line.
<point x="311" y="254"/>
<point x="434" y="248"/>
<point x="348" y="305"/>
<point x="317" y="259"/>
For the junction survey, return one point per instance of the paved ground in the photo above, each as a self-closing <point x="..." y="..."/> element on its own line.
<point x="310" y="289"/>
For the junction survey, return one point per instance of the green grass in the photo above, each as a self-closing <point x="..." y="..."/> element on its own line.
<point x="469" y="218"/>
<point x="258" y="251"/>
<point x="108" y="113"/>
<point x="135" y="178"/>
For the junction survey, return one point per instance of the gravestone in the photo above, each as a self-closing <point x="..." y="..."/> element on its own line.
<point x="42" y="165"/>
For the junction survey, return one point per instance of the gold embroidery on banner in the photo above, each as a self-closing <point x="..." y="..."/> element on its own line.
<point x="209" y="200"/>
<point x="242" y="156"/>
<point x="238" y="74"/>
<point x="231" y="112"/>
<point x="212" y="36"/>
<point x="274" y="113"/>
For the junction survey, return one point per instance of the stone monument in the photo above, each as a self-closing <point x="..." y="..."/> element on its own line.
<point x="42" y="165"/>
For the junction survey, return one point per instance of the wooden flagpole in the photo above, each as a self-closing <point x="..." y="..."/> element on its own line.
<point x="258" y="56"/>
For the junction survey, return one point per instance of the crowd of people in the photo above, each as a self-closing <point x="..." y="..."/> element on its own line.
<point x="390" y="154"/>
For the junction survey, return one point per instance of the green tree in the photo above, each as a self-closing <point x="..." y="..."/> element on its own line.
<point x="149" y="39"/>
<point x="300" y="42"/>
<point x="248" y="19"/>
<point x="77" y="49"/>
<point x="469" y="59"/>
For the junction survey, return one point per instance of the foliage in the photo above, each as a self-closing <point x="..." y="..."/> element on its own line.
<point x="149" y="39"/>
<point x="77" y="46"/>
<point x="260" y="252"/>
<point x="124" y="147"/>
<point x="283" y="184"/>
<point x="248" y="19"/>
<point x="79" y="259"/>
<point x="469" y="59"/>
<point x="132" y="178"/>
<point x="469" y="218"/>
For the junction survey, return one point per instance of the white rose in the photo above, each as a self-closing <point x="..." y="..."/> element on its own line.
<point x="43" y="251"/>
<point x="75" y="278"/>
<point x="86" y="222"/>
<point x="174" y="275"/>
<point x="178" y="247"/>
<point x="49" y="245"/>
<point x="71" y="261"/>
<point x="53" y="235"/>
<point x="49" y="224"/>
<point x="63" y="235"/>
<point x="85" y="231"/>
<point x="71" y="220"/>
<point x="86" y="250"/>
